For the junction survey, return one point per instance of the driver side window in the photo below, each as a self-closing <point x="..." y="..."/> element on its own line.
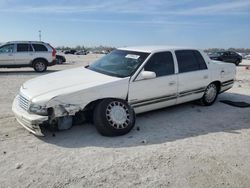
<point x="9" y="48"/>
<point x="161" y="63"/>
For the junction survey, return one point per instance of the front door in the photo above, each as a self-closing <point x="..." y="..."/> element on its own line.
<point x="7" y="56"/>
<point x="158" y="92"/>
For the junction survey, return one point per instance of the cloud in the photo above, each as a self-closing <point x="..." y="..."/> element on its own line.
<point x="142" y="22"/>
<point x="142" y="7"/>
<point x="221" y="8"/>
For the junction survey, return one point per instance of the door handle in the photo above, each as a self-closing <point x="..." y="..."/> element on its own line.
<point x="222" y="71"/>
<point x="10" y="54"/>
<point x="172" y="83"/>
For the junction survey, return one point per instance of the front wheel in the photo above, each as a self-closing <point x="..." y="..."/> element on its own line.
<point x="210" y="95"/>
<point x="113" y="117"/>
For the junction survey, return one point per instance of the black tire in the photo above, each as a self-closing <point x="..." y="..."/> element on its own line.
<point x="237" y="62"/>
<point x="210" y="95"/>
<point x="59" y="61"/>
<point x="109" y="122"/>
<point x="40" y="65"/>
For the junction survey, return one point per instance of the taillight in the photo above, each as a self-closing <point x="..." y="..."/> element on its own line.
<point x="54" y="52"/>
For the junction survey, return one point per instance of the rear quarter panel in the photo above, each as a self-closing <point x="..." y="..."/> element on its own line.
<point x="43" y="55"/>
<point x="222" y="71"/>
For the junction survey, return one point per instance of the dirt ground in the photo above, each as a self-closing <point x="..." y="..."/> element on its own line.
<point x="183" y="146"/>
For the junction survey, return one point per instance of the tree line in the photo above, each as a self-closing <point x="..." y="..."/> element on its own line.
<point x="79" y="48"/>
<point x="108" y="48"/>
<point x="240" y="50"/>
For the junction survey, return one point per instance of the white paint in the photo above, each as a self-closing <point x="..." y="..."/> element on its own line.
<point x="73" y="89"/>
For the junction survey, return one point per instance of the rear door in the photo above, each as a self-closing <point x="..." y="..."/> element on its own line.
<point x="226" y="57"/>
<point x="7" y="56"/>
<point x="233" y="57"/>
<point x="193" y="77"/>
<point x="24" y="54"/>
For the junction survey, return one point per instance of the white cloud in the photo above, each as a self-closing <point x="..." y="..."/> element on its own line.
<point x="144" y="22"/>
<point x="144" y="7"/>
<point x="221" y="8"/>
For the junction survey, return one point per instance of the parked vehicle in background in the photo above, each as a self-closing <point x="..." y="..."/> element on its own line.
<point x="82" y="52"/>
<point x="119" y="85"/>
<point x="60" y="59"/>
<point x="247" y="57"/>
<point x="70" y="52"/>
<point x="38" y="55"/>
<point x="227" y="56"/>
<point x="243" y="55"/>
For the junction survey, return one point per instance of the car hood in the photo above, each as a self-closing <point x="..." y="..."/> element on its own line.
<point x="64" y="81"/>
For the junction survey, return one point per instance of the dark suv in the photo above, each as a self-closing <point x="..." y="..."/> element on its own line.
<point x="227" y="56"/>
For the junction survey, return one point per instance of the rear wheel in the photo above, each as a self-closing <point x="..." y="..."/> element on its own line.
<point x="59" y="61"/>
<point x="113" y="117"/>
<point x="237" y="62"/>
<point x="210" y="95"/>
<point x="40" y="65"/>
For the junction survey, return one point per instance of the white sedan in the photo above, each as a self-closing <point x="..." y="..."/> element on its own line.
<point x="123" y="83"/>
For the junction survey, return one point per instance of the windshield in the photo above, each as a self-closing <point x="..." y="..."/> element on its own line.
<point x="119" y="63"/>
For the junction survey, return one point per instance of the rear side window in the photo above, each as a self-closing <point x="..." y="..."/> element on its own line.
<point x="200" y="59"/>
<point x="190" y="60"/>
<point x="39" y="48"/>
<point x="233" y="54"/>
<point x="24" y="47"/>
<point x="161" y="63"/>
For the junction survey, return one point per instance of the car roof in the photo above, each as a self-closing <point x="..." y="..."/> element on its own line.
<point x="150" y="49"/>
<point x="40" y="42"/>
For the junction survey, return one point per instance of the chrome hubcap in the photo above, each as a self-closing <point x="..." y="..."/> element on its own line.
<point x="117" y="115"/>
<point x="40" y="66"/>
<point x="210" y="93"/>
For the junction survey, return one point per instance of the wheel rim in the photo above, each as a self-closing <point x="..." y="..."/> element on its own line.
<point x="118" y="115"/>
<point x="210" y="93"/>
<point x="40" y="66"/>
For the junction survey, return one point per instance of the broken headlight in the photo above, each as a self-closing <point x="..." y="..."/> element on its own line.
<point x="37" y="109"/>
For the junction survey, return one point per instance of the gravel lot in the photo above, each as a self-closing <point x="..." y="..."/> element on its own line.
<point x="183" y="146"/>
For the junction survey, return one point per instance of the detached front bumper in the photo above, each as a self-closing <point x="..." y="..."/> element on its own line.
<point x="31" y="122"/>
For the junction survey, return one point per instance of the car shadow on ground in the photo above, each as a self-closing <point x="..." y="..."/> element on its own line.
<point x="164" y="125"/>
<point x="243" y="65"/>
<point x="25" y="72"/>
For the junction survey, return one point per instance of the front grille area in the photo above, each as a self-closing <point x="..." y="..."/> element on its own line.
<point x="23" y="102"/>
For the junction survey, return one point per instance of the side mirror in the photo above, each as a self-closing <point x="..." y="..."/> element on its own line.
<point x="145" y="75"/>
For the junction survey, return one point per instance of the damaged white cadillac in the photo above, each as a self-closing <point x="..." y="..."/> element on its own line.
<point x="123" y="83"/>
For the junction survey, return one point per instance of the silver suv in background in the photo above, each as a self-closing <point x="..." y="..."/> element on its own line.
<point x="38" y="55"/>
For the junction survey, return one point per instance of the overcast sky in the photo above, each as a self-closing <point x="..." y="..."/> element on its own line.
<point x="197" y="23"/>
